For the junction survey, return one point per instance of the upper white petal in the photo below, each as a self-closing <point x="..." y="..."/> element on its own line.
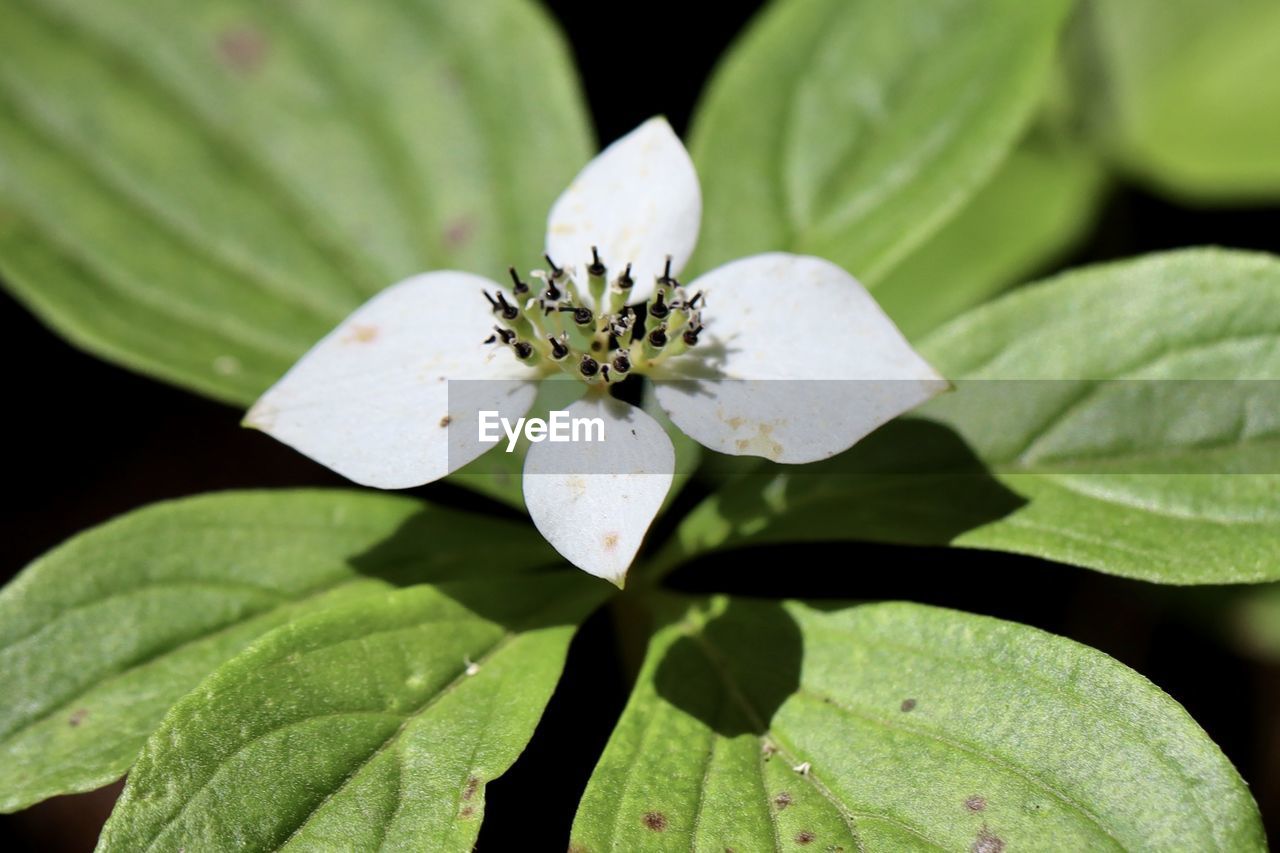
<point x="637" y="201"/>
<point x="797" y="363"/>
<point x="372" y="399"/>
<point x="593" y="501"/>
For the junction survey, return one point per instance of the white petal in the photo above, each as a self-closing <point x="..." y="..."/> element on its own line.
<point x="593" y="501"/>
<point x="372" y="399"/>
<point x="797" y="363"/>
<point x="637" y="201"/>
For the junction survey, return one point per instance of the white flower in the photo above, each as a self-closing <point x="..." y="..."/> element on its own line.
<point x="371" y="400"/>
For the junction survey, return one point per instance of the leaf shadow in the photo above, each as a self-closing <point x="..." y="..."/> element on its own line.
<point x="732" y="700"/>
<point x="913" y="481"/>
<point x="502" y="571"/>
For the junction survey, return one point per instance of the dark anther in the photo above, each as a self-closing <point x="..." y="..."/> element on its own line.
<point x="556" y="272"/>
<point x="558" y="349"/>
<point x="589" y="366"/>
<point x="625" y="281"/>
<point x="490" y="339"/>
<point x="621" y="363"/>
<point x="693" y="303"/>
<point x="604" y="371"/>
<point x="509" y="311"/>
<point x="581" y="316"/>
<point x="506" y="335"/>
<point x="596" y="268"/>
<point x="659" y="309"/>
<point x="691" y="335"/>
<point x="666" y="280"/>
<point x="523" y="349"/>
<point x="658" y="338"/>
<point x="521" y="287"/>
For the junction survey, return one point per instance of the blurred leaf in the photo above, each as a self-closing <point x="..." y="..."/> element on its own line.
<point x="201" y="191"/>
<point x="762" y="725"/>
<point x="102" y="635"/>
<point x="374" y="724"/>
<point x="1037" y="206"/>
<point x="852" y="130"/>
<point x="1169" y="481"/>
<point x="1186" y="93"/>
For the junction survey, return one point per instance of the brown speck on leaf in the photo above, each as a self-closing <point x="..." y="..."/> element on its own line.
<point x="804" y="836"/>
<point x="459" y="232"/>
<point x="242" y="49"/>
<point x="975" y="803"/>
<point x="445" y="421"/>
<point x="782" y="800"/>
<point x="610" y="541"/>
<point x="77" y="717"/>
<point x="577" y="848"/>
<point x="467" y="811"/>
<point x="907" y="705"/>
<point x="987" y="842"/>
<point x="655" y="821"/>
<point x="470" y="790"/>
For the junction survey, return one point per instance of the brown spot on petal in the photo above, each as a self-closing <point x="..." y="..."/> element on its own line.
<point x="445" y="421"/>
<point x="360" y="334"/>
<point x="242" y="49"/>
<point x="610" y="541"/>
<point x="655" y="821"/>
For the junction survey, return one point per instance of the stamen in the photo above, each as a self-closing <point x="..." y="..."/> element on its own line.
<point x="621" y="363"/>
<point x="523" y="349"/>
<point x="589" y="366"/>
<point x="659" y="309"/>
<point x="625" y="281"/>
<point x="581" y="316"/>
<point x="558" y="349"/>
<point x="690" y="336"/>
<point x="556" y="272"/>
<point x="658" y="338"/>
<point x="666" y="280"/>
<point x="509" y="312"/>
<point x="596" y="268"/>
<point x="505" y="335"/>
<point x="693" y="303"/>
<point x="520" y="287"/>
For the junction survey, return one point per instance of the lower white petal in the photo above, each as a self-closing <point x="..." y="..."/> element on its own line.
<point x="797" y="363"/>
<point x="594" y="501"/>
<point x="372" y="399"/>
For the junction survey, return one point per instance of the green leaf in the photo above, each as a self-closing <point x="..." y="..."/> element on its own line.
<point x="373" y="725"/>
<point x="1186" y="93"/>
<point x="1073" y="471"/>
<point x="760" y="725"/>
<point x="102" y="635"/>
<point x="844" y="129"/>
<point x="200" y="192"/>
<point x="1037" y="206"/>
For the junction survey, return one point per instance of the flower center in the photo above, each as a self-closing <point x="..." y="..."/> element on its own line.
<point x="549" y="323"/>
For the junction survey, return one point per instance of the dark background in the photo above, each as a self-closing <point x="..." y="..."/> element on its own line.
<point x="88" y="441"/>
